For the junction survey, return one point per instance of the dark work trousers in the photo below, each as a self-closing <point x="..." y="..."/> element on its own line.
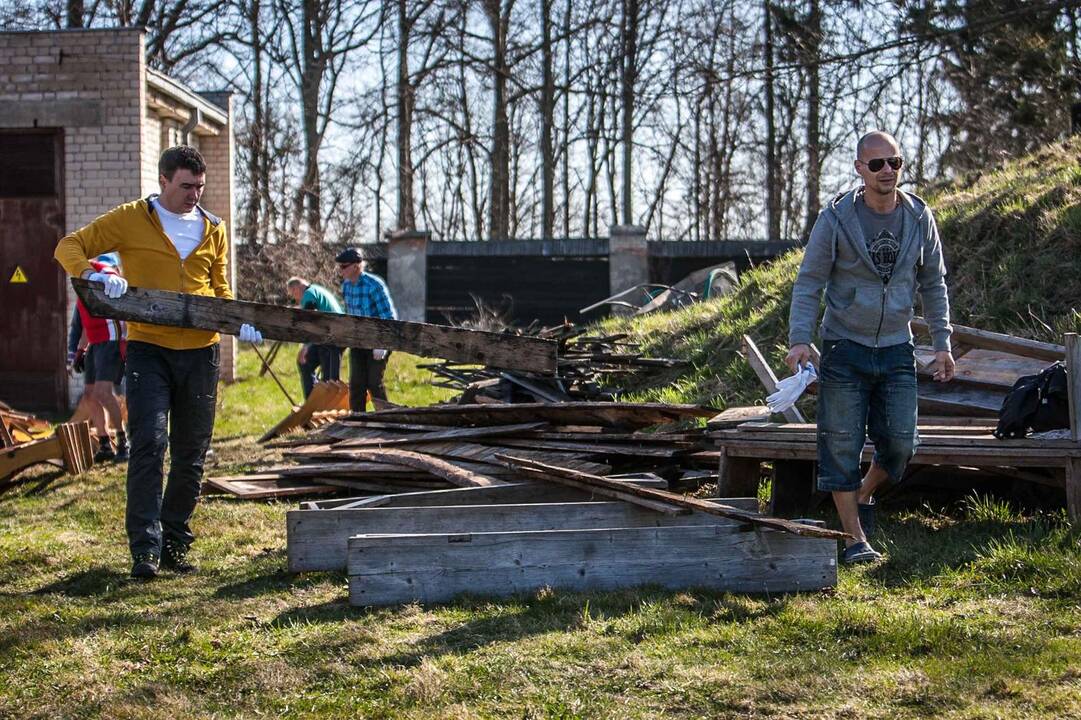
<point x="172" y="396"/>
<point x="365" y="375"/>
<point x="325" y="358"/>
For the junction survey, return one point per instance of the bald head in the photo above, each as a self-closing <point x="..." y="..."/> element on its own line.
<point x="877" y="143"/>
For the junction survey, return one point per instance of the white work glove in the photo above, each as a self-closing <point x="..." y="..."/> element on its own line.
<point x="115" y="286"/>
<point x="250" y="334"/>
<point x="790" y="389"/>
<point x="379" y="354"/>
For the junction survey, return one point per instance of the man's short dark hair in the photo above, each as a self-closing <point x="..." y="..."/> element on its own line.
<point x="181" y="156"/>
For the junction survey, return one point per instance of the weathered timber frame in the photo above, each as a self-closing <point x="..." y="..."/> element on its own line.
<point x="275" y="322"/>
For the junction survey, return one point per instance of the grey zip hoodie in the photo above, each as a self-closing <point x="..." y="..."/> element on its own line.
<point x="859" y="306"/>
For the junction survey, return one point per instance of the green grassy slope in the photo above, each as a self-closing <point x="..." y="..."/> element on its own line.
<point x="1012" y="238"/>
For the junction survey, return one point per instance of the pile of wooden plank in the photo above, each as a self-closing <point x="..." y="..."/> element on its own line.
<point x="956" y="420"/>
<point x="525" y="536"/>
<point x="404" y="449"/>
<point x="589" y="368"/>
<point x="26" y="441"/>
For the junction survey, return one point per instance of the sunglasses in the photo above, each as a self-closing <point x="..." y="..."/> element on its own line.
<point x="877" y="164"/>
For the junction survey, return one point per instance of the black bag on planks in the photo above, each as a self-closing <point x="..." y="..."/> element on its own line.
<point x="1035" y="403"/>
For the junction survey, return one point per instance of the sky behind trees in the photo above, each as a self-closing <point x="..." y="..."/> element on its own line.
<point x="494" y="119"/>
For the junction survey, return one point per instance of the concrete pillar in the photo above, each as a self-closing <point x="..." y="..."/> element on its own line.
<point x="628" y="262"/>
<point x="407" y="272"/>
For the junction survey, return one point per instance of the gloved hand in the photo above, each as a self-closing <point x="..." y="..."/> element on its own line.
<point x="115" y="286"/>
<point x="78" y="361"/>
<point x="789" y="389"/>
<point x="379" y="354"/>
<point x="250" y="334"/>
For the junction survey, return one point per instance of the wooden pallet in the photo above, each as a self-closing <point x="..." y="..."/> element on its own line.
<point x="71" y="446"/>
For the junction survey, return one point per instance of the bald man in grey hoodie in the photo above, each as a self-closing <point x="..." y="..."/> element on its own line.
<point x="871" y="249"/>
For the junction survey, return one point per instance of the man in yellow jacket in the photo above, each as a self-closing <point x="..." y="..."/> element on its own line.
<point x="166" y="242"/>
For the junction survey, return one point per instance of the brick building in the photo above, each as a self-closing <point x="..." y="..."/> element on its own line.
<point x="82" y="123"/>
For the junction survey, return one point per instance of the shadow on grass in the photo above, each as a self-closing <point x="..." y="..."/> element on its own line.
<point x="275" y="581"/>
<point x="636" y="614"/>
<point x="100" y="580"/>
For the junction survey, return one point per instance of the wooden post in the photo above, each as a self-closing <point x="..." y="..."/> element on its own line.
<point x="765" y="375"/>
<point x="1073" y="469"/>
<point x="737" y="476"/>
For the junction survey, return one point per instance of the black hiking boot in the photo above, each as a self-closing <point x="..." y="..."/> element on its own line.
<point x="123" y="453"/>
<point x="105" y="451"/>
<point x="174" y="556"/>
<point x="145" y="566"/>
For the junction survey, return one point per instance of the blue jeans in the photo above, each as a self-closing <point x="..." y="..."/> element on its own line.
<point x="864" y="391"/>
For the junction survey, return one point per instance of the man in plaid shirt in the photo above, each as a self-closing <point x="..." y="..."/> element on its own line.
<point x="365" y="295"/>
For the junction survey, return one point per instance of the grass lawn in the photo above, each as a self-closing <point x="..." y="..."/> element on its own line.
<point x="975" y="614"/>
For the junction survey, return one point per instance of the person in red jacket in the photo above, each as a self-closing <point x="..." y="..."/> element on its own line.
<point x="103" y="366"/>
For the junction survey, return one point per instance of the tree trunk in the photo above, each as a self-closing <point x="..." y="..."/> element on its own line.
<point x="628" y="77"/>
<point x="499" y="204"/>
<point x="547" y="111"/>
<point x="76" y="14"/>
<point x="406" y="102"/>
<point x="814" y="143"/>
<point x="309" y="97"/>
<point x="773" y="201"/>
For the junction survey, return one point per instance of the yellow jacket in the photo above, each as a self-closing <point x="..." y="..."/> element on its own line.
<point x="150" y="260"/>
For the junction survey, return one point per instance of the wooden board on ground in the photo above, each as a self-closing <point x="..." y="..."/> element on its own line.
<point x="391" y="569"/>
<point x="276" y="322"/>
<point x="317" y="540"/>
<point x="260" y="487"/>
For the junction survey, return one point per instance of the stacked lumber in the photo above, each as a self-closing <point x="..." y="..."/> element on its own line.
<point x="521" y="537"/>
<point x="70" y="447"/>
<point x="589" y="367"/>
<point x="956" y="423"/>
<point x="20" y="427"/>
<point x="411" y="449"/>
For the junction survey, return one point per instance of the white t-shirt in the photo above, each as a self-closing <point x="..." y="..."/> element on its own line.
<point x="186" y="231"/>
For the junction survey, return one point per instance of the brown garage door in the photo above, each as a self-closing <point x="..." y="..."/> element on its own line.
<point x="33" y="301"/>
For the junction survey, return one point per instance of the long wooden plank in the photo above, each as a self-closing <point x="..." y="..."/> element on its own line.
<point x="514" y="493"/>
<point x="275" y="322"/>
<point x="470" y="451"/>
<point x="389" y="569"/>
<point x="602" y="485"/>
<point x="436" y="466"/>
<point x="988" y="340"/>
<point x="318" y="540"/>
<point x="608" y="414"/>
<point x="765" y="375"/>
<point x="491" y="431"/>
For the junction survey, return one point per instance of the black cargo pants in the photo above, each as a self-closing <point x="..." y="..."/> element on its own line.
<point x="172" y="397"/>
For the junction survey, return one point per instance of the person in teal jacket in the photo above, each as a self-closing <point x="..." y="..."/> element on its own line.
<point x="312" y="357"/>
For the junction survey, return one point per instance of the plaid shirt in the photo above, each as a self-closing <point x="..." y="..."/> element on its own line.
<point x="368" y="297"/>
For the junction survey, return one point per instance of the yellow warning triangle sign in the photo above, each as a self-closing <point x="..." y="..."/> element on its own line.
<point x="19" y="276"/>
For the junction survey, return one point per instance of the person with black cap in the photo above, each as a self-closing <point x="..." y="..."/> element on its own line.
<point x="365" y="295"/>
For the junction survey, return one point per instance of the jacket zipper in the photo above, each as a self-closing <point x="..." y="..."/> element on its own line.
<point x="881" y="314"/>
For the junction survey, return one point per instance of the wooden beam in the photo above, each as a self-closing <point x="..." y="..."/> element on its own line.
<point x="1073" y="469"/>
<point x="766" y="377"/>
<point x="276" y="322"/>
<point x="600" y="485"/>
<point x="988" y="340"/>
<point x="387" y="569"/>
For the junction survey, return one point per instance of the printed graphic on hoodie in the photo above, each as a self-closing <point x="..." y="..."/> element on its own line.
<point x="882" y="232"/>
